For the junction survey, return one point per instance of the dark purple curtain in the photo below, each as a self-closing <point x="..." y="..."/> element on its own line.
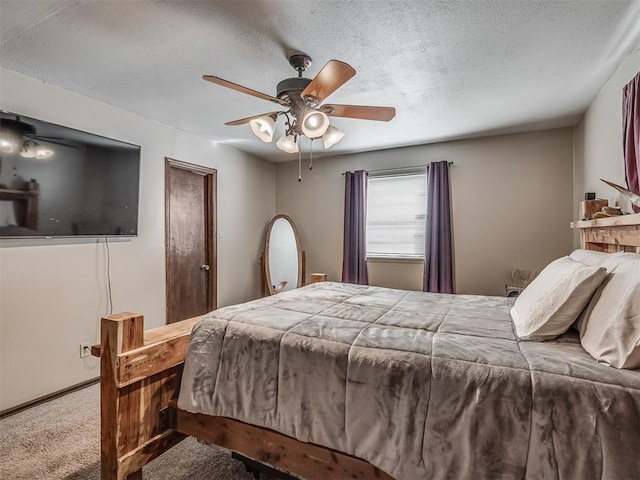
<point x="354" y="253"/>
<point x="631" y="134"/>
<point x="438" y="256"/>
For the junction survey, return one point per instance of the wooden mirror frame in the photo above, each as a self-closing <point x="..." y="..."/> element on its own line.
<point x="265" y="255"/>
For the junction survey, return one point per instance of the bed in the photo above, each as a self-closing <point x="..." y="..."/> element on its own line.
<point x="343" y="381"/>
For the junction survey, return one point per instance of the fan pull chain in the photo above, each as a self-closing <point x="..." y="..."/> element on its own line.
<point x="299" y="165"/>
<point x="311" y="156"/>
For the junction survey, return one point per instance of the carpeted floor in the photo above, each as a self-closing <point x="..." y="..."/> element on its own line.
<point x="61" y="440"/>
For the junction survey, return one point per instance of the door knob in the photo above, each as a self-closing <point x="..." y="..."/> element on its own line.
<point x="204" y="268"/>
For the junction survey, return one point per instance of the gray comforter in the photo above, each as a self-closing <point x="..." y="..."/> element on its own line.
<point x="424" y="386"/>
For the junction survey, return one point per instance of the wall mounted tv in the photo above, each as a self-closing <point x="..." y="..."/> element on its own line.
<point x="59" y="182"/>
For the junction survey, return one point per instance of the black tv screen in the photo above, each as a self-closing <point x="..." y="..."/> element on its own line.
<point x="56" y="181"/>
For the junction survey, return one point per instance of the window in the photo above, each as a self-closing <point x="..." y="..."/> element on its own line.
<point x="396" y="215"/>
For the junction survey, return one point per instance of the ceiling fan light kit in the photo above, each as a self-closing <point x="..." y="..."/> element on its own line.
<point x="6" y="146"/>
<point x="264" y="127"/>
<point x="288" y="144"/>
<point x="10" y="141"/>
<point x="314" y="123"/>
<point x="331" y="137"/>
<point x="31" y="149"/>
<point x="16" y="136"/>
<point x="302" y="98"/>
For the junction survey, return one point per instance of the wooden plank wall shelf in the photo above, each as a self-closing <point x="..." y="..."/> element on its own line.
<point x="25" y="203"/>
<point x="596" y="234"/>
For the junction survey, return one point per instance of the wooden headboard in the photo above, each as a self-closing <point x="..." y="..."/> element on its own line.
<point x="613" y="234"/>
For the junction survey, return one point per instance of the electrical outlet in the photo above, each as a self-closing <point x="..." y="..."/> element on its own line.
<point x="85" y="350"/>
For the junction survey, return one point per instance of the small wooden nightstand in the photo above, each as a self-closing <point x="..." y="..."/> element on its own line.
<point x="317" y="277"/>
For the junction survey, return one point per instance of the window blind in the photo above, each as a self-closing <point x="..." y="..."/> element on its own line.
<point x="396" y="215"/>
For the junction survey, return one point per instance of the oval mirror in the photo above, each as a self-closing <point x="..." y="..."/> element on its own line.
<point x="282" y="256"/>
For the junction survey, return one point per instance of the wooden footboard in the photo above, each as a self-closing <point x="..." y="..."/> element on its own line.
<point x="276" y="450"/>
<point x="140" y="375"/>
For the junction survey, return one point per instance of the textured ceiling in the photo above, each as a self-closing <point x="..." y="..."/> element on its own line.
<point x="452" y="69"/>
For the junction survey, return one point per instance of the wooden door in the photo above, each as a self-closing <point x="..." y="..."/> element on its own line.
<point x="190" y="221"/>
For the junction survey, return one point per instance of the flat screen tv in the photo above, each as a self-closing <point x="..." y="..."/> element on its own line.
<point x="56" y="181"/>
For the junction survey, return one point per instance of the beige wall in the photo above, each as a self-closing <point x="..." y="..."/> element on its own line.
<point x="598" y="139"/>
<point x="405" y="274"/>
<point x="512" y="205"/>
<point x="52" y="296"/>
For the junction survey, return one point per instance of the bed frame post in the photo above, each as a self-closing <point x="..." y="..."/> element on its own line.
<point x="118" y="333"/>
<point x="140" y="375"/>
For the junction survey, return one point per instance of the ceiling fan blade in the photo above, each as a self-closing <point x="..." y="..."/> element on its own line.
<point x="60" y="142"/>
<point x="242" y="121"/>
<point x="55" y="140"/>
<point x="332" y="76"/>
<point x="239" y="88"/>
<point x="41" y="137"/>
<point x="381" y="114"/>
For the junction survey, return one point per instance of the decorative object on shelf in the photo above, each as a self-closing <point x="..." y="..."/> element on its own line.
<point x="588" y="208"/>
<point x="612" y="211"/>
<point x="302" y="98"/>
<point x="608" y="212"/>
<point x="634" y="198"/>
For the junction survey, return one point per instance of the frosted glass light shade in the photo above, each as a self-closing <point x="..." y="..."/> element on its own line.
<point x="263" y="127"/>
<point x="315" y="123"/>
<point x="287" y="143"/>
<point x="6" y="146"/>
<point x="43" y="152"/>
<point x="331" y="137"/>
<point x="29" y="149"/>
<point x="9" y="141"/>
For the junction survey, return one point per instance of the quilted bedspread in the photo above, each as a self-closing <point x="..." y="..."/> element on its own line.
<point x="424" y="386"/>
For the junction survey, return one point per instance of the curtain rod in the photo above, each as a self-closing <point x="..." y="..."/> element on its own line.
<point x="398" y="168"/>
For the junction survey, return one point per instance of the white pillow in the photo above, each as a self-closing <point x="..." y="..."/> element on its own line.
<point x="597" y="259"/>
<point x="589" y="257"/>
<point x="555" y="298"/>
<point x="611" y="328"/>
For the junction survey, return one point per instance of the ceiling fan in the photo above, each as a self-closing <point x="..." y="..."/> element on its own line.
<point x="302" y="98"/>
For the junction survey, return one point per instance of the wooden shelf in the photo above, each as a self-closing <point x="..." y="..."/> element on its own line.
<point x="633" y="219"/>
<point x="612" y="234"/>
<point x="15" y="194"/>
<point x="25" y="204"/>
